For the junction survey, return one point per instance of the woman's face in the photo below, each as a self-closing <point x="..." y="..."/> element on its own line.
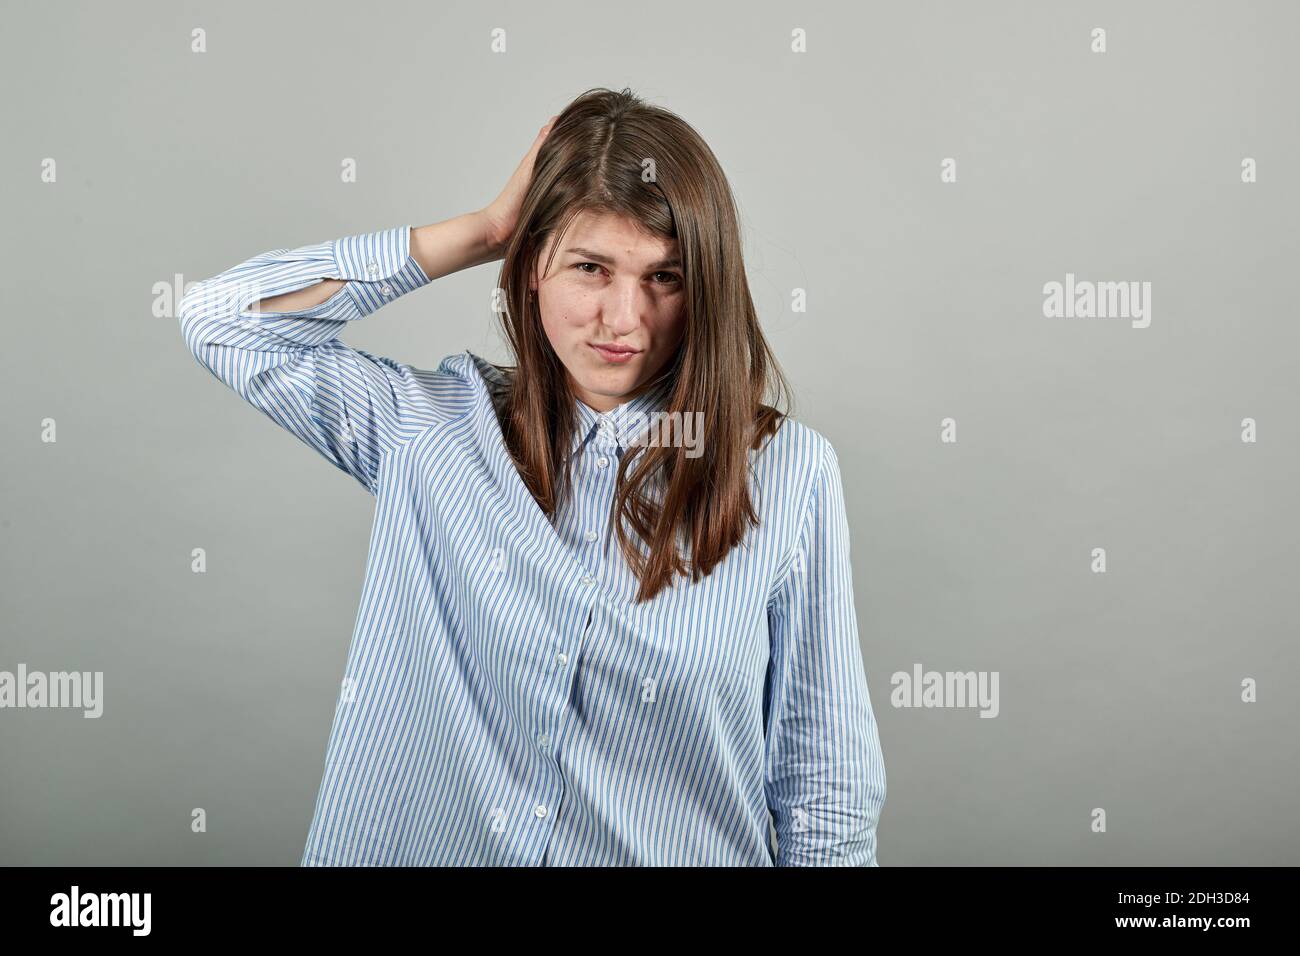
<point x="611" y="305"/>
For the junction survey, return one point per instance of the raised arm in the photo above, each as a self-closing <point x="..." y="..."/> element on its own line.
<point x="268" y="328"/>
<point x="440" y="248"/>
<point x="824" y="773"/>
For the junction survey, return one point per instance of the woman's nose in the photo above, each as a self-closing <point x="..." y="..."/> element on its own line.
<point x="621" y="313"/>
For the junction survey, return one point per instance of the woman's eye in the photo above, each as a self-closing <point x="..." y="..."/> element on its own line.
<point x="661" y="278"/>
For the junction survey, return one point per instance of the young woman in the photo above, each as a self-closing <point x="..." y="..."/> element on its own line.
<point x="608" y="613"/>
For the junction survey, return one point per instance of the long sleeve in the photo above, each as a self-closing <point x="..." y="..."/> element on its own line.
<point x="824" y="773"/>
<point x="349" y="405"/>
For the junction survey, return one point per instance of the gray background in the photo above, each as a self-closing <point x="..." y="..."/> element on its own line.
<point x="1119" y="691"/>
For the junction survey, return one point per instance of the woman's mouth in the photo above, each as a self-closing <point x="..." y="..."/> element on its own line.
<point x="615" y="354"/>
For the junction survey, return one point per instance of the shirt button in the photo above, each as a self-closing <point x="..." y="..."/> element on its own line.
<point x="386" y="289"/>
<point x="539" y="811"/>
<point x="602" y="461"/>
<point x="372" y="268"/>
<point x="543" y="741"/>
<point x="590" y="536"/>
<point x="588" y="579"/>
<point x="604" y="424"/>
<point x="562" y="658"/>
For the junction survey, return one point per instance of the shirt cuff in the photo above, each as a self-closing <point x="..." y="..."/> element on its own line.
<point x="379" y="267"/>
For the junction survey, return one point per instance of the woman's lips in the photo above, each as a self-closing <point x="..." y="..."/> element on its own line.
<point x="615" y="354"/>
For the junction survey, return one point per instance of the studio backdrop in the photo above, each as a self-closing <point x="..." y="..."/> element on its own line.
<point x="1029" y="268"/>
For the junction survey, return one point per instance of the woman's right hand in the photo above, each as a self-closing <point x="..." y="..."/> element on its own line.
<point x="502" y="214"/>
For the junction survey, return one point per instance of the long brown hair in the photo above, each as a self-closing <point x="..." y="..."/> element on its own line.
<point x="594" y="160"/>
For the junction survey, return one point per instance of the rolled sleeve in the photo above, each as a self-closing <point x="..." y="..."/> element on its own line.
<point x="380" y="265"/>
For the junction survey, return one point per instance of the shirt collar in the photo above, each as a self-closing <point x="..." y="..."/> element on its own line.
<point x="622" y="424"/>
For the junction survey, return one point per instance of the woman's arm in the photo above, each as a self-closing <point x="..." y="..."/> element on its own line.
<point x="825" y="773"/>
<point x="440" y="248"/>
<point x="352" y="407"/>
<point x="268" y="327"/>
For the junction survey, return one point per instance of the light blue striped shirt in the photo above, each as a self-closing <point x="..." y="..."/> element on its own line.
<point x="506" y="701"/>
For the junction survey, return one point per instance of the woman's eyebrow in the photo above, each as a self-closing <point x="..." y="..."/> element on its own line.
<point x="673" y="262"/>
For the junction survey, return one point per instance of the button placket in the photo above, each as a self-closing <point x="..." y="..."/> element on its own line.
<point x="596" y="474"/>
